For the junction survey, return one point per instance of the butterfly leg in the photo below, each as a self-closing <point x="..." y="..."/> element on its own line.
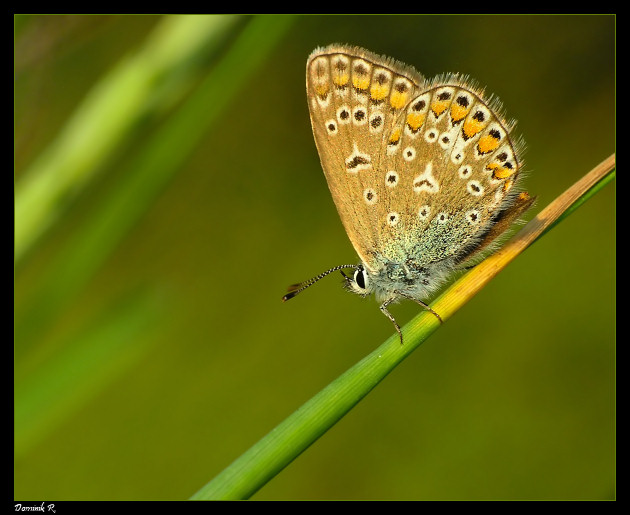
<point x="391" y="317"/>
<point x="425" y="306"/>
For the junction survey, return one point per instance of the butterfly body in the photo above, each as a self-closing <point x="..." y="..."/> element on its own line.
<point x="421" y="171"/>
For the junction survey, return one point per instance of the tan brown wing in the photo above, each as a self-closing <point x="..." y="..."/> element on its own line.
<point x="457" y="166"/>
<point x="355" y="99"/>
<point x="418" y="171"/>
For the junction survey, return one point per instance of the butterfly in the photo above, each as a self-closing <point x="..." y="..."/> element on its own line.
<point x="423" y="172"/>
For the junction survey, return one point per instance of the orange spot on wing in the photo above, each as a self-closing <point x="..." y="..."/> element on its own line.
<point x="361" y="81"/>
<point x="472" y="127"/>
<point x="458" y="112"/>
<point x="500" y="172"/>
<point x="439" y="107"/>
<point x="395" y="137"/>
<point x="340" y="78"/>
<point x="321" y="89"/>
<point x="379" y="91"/>
<point x="398" y="100"/>
<point x="415" y="120"/>
<point x="487" y="144"/>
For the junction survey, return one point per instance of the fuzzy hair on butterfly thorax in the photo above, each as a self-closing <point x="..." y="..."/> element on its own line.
<point x="423" y="172"/>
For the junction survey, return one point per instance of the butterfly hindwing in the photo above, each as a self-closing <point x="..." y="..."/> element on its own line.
<point x="457" y="165"/>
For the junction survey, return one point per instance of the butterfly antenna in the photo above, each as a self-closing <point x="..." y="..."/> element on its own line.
<point x="294" y="289"/>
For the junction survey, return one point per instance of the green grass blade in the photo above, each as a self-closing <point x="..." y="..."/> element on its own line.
<point x="282" y="445"/>
<point x="277" y="449"/>
<point x="103" y="120"/>
<point x="592" y="191"/>
<point x="146" y="175"/>
<point x="48" y="391"/>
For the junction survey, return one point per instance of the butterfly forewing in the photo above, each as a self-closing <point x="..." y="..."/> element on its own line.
<point x="355" y="102"/>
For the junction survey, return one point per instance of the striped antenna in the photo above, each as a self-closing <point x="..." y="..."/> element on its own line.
<point x="294" y="289"/>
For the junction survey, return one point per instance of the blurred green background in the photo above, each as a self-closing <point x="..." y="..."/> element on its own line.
<point x="168" y="189"/>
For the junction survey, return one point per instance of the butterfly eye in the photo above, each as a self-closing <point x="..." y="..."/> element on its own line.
<point x="360" y="278"/>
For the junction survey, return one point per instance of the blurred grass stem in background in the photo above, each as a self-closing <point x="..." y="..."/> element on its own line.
<point x="144" y="178"/>
<point x="289" y="439"/>
<point x="104" y="118"/>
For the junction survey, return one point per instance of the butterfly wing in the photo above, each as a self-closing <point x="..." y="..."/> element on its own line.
<point x="459" y="166"/>
<point x="419" y="171"/>
<point x="350" y="96"/>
